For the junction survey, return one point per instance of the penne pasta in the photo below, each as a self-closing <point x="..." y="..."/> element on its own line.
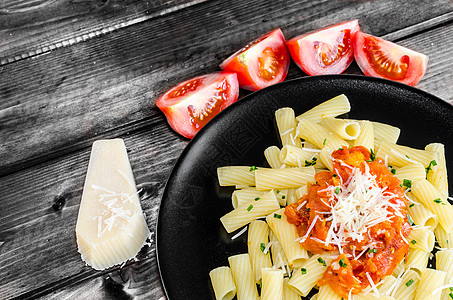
<point x="412" y="172"/>
<point x="306" y="277"/>
<point x="444" y="262"/>
<point x="430" y="280"/>
<point x="408" y="285"/>
<point x="222" y="283"/>
<point x="416" y="259"/>
<point x="385" y="132"/>
<point x="286" y="234"/>
<point x="236" y="175"/>
<point x="288" y="293"/>
<point x="286" y="123"/>
<point x="331" y="108"/>
<point x="326" y="293"/>
<point x="272" y="284"/>
<point x="247" y="212"/>
<point x="436" y="202"/>
<point x="366" y="136"/>
<point x="259" y="252"/>
<point x="245" y="196"/>
<point x="318" y="135"/>
<point x="241" y="269"/>
<point x="422" y="238"/>
<point x="272" y="155"/>
<point x="300" y="157"/>
<point x="345" y="129"/>
<point x="400" y="156"/>
<point x="268" y="179"/>
<point x="437" y="172"/>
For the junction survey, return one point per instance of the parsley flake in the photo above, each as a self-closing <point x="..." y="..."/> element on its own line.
<point x="342" y="263"/>
<point x="311" y="162"/>
<point x="337" y="190"/>
<point x="431" y="163"/>
<point x="437" y="200"/>
<point x="324" y="143"/>
<point x="322" y="261"/>
<point x="303" y="271"/>
<point x="372" y="155"/>
<point x="372" y="251"/>
<point x="283" y="197"/>
<point x="413" y="242"/>
<point x="252" y="168"/>
<point x="257" y="198"/>
<point x="451" y="295"/>
<point x="263" y="247"/>
<point x="409" y="219"/>
<point x="250" y="207"/>
<point x="393" y="171"/>
<point x="411" y="205"/>
<point x="277" y="216"/>
<point x="409" y="283"/>
<point x="407" y="183"/>
<point x="335" y="175"/>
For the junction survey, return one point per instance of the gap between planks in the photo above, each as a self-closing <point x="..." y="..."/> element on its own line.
<point x="46" y="49"/>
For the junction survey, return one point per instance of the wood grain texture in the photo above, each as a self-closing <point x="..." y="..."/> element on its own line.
<point x="31" y="28"/>
<point x="38" y="216"/>
<point x="60" y="102"/>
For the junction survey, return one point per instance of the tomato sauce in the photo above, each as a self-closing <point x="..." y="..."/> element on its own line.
<point x="383" y="246"/>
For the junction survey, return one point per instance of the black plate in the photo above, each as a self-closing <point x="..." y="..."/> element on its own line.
<point x="190" y="238"/>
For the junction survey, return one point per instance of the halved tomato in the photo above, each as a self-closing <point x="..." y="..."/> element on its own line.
<point x="325" y="51"/>
<point x="261" y="63"/>
<point x="194" y="102"/>
<point x="380" y="58"/>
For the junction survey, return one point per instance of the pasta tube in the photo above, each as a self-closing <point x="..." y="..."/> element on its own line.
<point x="222" y="283"/>
<point x="241" y="270"/>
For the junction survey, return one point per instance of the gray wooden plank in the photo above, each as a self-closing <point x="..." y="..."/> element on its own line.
<point x="34" y="27"/>
<point x="60" y="102"/>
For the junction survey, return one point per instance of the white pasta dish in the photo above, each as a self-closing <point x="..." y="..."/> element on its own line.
<point x="343" y="210"/>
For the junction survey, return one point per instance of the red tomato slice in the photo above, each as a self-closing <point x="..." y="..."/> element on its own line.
<point x="380" y="58"/>
<point x="194" y="102"/>
<point x="325" y="51"/>
<point x="261" y="63"/>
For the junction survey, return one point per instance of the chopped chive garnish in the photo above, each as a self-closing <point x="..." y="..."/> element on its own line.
<point x="335" y="175"/>
<point x="438" y="200"/>
<point x="451" y="289"/>
<point x="262" y="247"/>
<point x="321" y="261"/>
<point x="337" y="190"/>
<point x="303" y="270"/>
<point x="283" y="197"/>
<point x="261" y="284"/>
<point x="409" y="219"/>
<point x="451" y="295"/>
<point x="277" y="216"/>
<point x="252" y="168"/>
<point x="250" y="207"/>
<point x="277" y="191"/>
<point x="342" y="263"/>
<point x="407" y="183"/>
<point x="325" y="140"/>
<point x="408" y="156"/>
<point x="393" y="171"/>
<point x="372" y="155"/>
<point x="308" y="209"/>
<point x="411" y="205"/>
<point x="413" y="242"/>
<point x="257" y="198"/>
<point x="311" y="162"/>
<point x="372" y="251"/>
<point x="431" y="163"/>
<point x="410" y="282"/>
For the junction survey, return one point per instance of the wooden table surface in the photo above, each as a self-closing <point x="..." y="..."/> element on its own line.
<point x="75" y="71"/>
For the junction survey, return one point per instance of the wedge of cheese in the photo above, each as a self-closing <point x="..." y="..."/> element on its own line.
<point x="111" y="227"/>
